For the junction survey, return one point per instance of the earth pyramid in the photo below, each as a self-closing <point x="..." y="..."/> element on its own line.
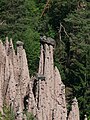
<point x="42" y="95"/>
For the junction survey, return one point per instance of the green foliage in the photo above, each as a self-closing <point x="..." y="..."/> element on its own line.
<point x="31" y="36"/>
<point x="29" y="116"/>
<point x="8" y="113"/>
<point x="13" y="18"/>
<point x="80" y="47"/>
<point x="32" y="46"/>
<point x="22" y="20"/>
<point x="72" y="53"/>
<point x="19" y="20"/>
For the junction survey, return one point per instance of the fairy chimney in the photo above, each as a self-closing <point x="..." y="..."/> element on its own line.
<point x="42" y="95"/>
<point x="85" y="117"/>
<point x="50" y="95"/>
<point x="14" y="77"/>
<point x="74" y="113"/>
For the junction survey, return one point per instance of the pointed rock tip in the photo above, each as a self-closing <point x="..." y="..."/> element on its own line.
<point x="58" y="73"/>
<point x="11" y="43"/>
<point x="85" y="115"/>
<point x="75" y="99"/>
<point x="1" y="42"/>
<point x="6" y="40"/>
<point x="56" y="70"/>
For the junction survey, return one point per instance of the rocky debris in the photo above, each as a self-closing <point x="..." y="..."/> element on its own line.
<point x="74" y="113"/>
<point x="44" y="94"/>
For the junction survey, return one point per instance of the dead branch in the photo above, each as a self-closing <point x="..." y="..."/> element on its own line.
<point x="62" y="27"/>
<point x="46" y="7"/>
<point x="2" y="22"/>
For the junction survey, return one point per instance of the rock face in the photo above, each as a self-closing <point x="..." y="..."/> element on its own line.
<point x="44" y="94"/>
<point x="50" y="96"/>
<point x="15" y="87"/>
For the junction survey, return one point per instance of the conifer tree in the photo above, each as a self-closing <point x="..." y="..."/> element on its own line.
<point x="13" y="18"/>
<point x="79" y="54"/>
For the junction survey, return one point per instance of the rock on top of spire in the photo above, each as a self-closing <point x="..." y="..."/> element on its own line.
<point x="47" y="40"/>
<point x="85" y="117"/>
<point x="19" y="43"/>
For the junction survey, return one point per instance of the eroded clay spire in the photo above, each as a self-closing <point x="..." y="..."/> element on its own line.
<point x="42" y="95"/>
<point x="74" y="113"/>
<point x="50" y="96"/>
<point x="85" y="117"/>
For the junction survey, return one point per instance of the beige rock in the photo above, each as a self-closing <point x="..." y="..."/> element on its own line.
<point x="1" y="101"/>
<point x="14" y="77"/>
<point x="44" y="94"/>
<point x="74" y="113"/>
<point x="2" y="64"/>
<point x="7" y="45"/>
<point x="51" y="94"/>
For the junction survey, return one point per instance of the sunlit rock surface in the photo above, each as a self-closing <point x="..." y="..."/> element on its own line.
<point x="42" y="95"/>
<point x="74" y="113"/>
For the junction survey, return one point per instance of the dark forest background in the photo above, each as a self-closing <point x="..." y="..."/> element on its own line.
<point x="68" y="22"/>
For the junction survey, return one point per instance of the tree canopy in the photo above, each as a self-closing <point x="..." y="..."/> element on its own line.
<point x="68" y="22"/>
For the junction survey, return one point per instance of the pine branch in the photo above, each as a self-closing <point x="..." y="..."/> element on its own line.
<point x="65" y="30"/>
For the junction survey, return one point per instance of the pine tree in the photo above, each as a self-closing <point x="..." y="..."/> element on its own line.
<point x="19" y="20"/>
<point x="70" y="20"/>
<point x="13" y="18"/>
<point x="79" y="54"/>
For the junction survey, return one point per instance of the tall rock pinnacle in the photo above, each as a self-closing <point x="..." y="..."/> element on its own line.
<point x="50" y="95"/>
<point x="74" y="113"/>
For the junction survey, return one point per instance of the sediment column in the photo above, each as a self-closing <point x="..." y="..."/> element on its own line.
<point x="74" y="113"/>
